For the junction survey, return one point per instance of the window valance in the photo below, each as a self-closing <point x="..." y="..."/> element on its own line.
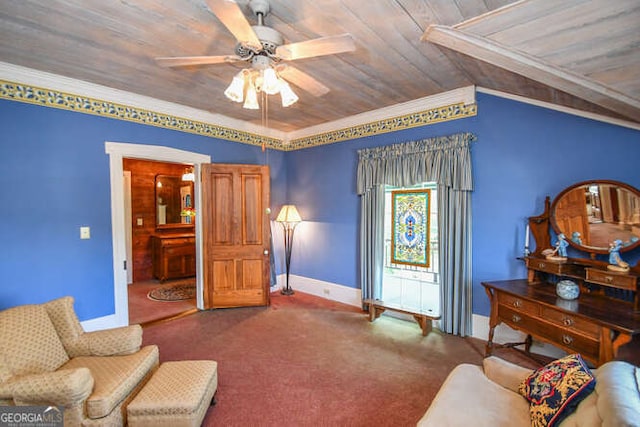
<point x="445" y="160"/>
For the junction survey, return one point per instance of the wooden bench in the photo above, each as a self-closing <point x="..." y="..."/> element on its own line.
<point x="424" y="319"/>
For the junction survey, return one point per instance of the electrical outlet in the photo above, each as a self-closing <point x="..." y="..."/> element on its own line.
<point x="85" y="233"/>
<point x="326" y="291"/>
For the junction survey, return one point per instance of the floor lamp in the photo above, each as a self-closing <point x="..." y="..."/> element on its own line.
<point x="289" y="218"/>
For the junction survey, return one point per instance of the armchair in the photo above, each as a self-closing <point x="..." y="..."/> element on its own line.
<point x="46" y="358"/>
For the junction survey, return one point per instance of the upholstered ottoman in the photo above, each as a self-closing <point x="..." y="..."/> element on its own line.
<point x="177" y="395"/>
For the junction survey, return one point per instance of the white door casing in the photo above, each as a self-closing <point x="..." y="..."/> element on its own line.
<point x="126" y="176"/>
<point x="118" y="151"/>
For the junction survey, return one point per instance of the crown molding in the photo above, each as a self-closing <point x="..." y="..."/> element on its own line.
<point x="51" y="90"/>
<point x="465" y="96"/>
<point x="450" y="105"/>
<point x="393" y="124"/>
<point x="201" y="121"/>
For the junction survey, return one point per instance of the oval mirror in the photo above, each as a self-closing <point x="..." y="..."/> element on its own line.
<point x="593" y="214"/>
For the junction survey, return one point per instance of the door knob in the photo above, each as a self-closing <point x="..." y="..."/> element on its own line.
<point x="266" y="252"/>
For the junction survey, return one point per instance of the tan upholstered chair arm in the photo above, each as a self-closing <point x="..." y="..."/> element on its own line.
<point x="65" y="387"/>
<point x="110" y="342"/>
<point x="506" y="374"/>
<point x="77" y="342"/>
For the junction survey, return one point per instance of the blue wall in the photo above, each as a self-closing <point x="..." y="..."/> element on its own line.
<point x="54" y="175"/>
<point x="55" y="178"/>
<point x="523" y="154"/>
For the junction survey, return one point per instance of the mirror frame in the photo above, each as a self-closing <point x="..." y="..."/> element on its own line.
<point x="590" y="249"/>
<point x="170" y="225"/>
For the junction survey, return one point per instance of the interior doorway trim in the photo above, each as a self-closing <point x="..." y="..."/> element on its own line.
<point x="117" y="151"/>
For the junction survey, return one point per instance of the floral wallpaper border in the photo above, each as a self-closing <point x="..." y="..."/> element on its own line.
<point x="422" y="118"/>
<point x="66" y="101"/>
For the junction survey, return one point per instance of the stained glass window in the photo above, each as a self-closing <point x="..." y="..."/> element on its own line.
<point x="410" y="227"/>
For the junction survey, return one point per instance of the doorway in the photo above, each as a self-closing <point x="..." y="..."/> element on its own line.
<point x="159" y="213"/>
<point x="117" y="153"/>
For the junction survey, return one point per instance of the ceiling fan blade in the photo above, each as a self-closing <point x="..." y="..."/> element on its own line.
<point x="230" y="14"/>
<point x="302" y="80"/>
<point x="184" y="61"/>
<point x="317" y="47"/>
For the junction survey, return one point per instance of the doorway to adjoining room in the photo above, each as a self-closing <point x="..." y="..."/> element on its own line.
<point x="159" y="213"/>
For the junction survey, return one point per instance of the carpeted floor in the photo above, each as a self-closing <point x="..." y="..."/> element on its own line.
<point x="306" y="361"/>
<point x="142" y="309"/>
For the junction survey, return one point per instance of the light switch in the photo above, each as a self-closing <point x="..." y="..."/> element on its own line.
<point x="139" y="221"/>
<point x="85" y="232"/>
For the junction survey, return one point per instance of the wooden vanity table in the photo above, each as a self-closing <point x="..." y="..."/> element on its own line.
<point x="606" y="315"/>
<point x="590" y="325"/>
<point x="173" y="246"/>
<point x="174" y="255"/>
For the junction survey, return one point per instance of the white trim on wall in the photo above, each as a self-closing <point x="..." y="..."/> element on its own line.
<point x="61" y="83"/>
<point x="100" y="323"/>
<point x="327" y="290"/>
<point x="117" y="151"/>
<point x="465" y="95"/>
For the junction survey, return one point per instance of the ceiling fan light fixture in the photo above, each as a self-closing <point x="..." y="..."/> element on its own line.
<point x="263" y="47"/>
<point x="251" y="100"/>
<point x="235" y="91"/>
<point x="287" y="94"/>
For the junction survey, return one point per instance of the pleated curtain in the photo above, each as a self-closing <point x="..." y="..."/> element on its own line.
<point x="445" y="160"/>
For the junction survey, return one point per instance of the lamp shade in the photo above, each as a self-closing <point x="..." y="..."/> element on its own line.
<point x="188" y="175"/>
<point x="235" y="91"/>
<point x="270" y="81"/>
<point x="289" y="213"/>
<point x="251" y="100"/>
<point x="286" y="93"/>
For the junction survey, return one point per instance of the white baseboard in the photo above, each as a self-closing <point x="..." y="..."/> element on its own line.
<point x="99" y="323"/>
<point x="327" y="290"/>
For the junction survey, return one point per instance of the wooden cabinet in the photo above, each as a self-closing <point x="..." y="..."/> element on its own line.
<point x="174" y="256"/>
<point x="590" y="325"/>
<point x="592" y="276"/>
<point x="606" y="315"/>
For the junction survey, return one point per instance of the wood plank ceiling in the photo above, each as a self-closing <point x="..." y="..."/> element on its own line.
<point x="578" y="53"/>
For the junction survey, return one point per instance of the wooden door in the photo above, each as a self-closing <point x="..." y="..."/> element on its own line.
<point x="571" y="215"/>
<point x="235" y="232"/>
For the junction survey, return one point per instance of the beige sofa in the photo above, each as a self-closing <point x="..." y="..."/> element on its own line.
<point x="473" y="396"/>
<point x="46" y="359"/>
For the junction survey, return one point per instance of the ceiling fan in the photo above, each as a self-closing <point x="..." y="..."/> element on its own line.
<point x="263" y="48"/>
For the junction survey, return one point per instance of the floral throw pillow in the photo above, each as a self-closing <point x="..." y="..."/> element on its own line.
<point x="555" y="390"/>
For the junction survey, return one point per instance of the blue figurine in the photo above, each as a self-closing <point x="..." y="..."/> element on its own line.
<point x="561" y="245"/>
<point x="575" y="237"/>
<point x="615" y="262"/>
